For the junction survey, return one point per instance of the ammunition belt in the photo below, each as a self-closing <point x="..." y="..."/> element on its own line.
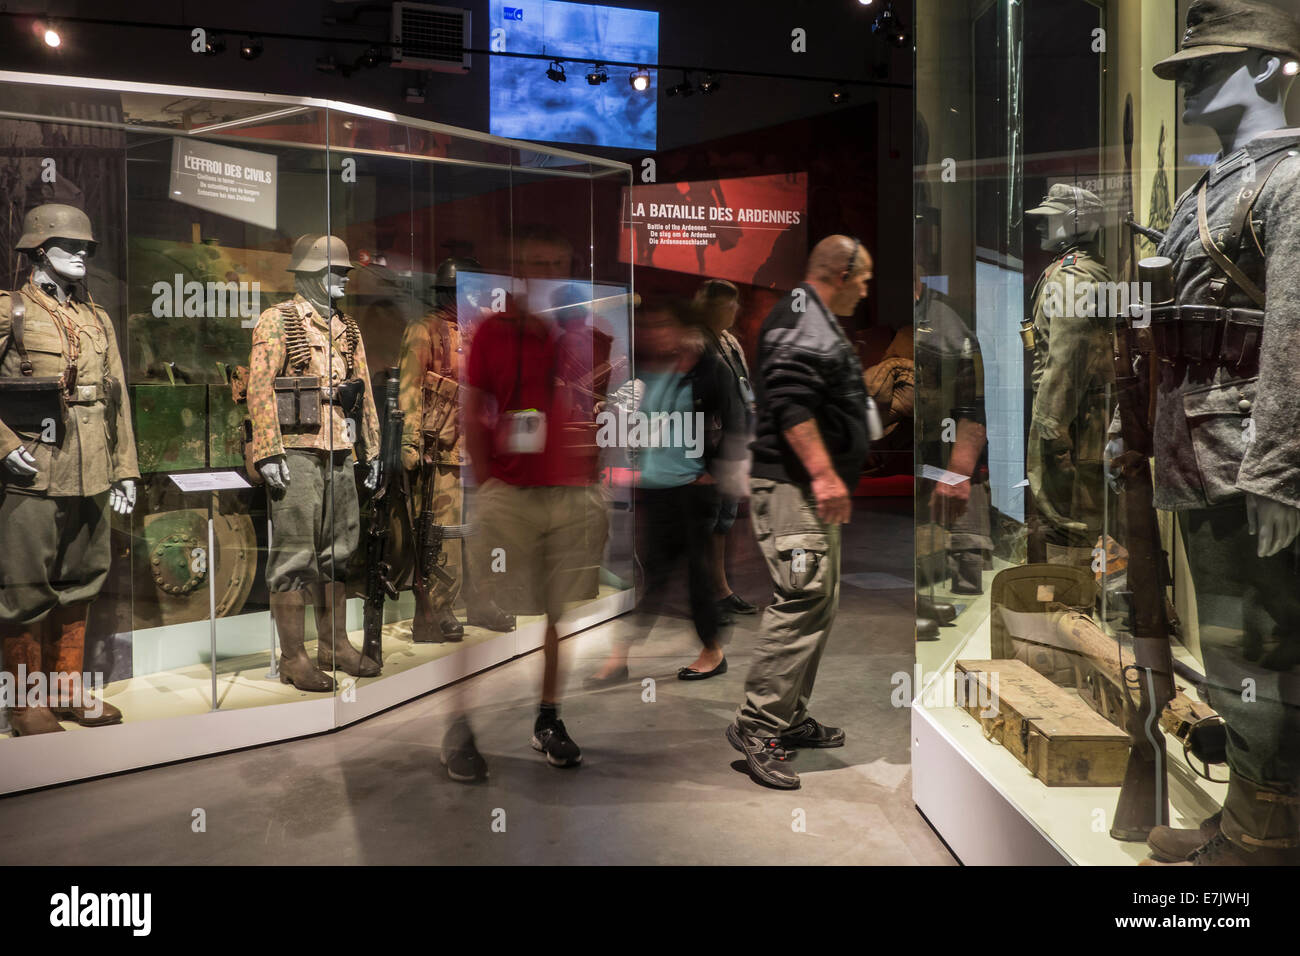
<point x="1208" y="334"/>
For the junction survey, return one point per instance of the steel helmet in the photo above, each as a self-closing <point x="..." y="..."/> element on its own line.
<point x="54" y="221"/>
<point x="314" y="252"/>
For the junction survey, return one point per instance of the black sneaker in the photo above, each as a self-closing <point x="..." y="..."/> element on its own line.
<point x="550" y="738"/>
<point x="460" y="756"/>
<point x="734" y="602"/>
<point x="769" y="762"/>
<point x="809" y="733"/>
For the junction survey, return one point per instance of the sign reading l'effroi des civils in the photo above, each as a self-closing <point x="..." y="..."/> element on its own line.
<point x="238" y="183"/>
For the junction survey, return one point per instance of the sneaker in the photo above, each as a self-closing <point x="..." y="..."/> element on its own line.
<point x="550" y="738"/>
<point x="734" y="602"/>
<point x="769" y="762"/>
<point x="809" y="733"/>
<point x="460" y="755"/>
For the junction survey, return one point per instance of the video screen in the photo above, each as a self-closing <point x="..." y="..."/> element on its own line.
<point x="752" y="230"/>
<point x="525" y="104"/>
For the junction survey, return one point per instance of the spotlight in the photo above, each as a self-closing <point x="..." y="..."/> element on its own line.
<point x="51" y="35"/>
<point x="215" y="46"/>
<point x="839" y="95"/>
<point x="890" y="27"/>
<point x="639" y="80"/>
<point x="555" y="72"/>
<point x="710" y="84"/>
<point x="371" y="58"/>
<point x="865" y="3"/>
<point x="1291" y="68"/>
<point x="251" y="48"/>
<point x="682" y="89"/>
<point x="598" y="75"/>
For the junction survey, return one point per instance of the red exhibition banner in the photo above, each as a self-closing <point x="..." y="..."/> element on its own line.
<point x="752" y="230"/>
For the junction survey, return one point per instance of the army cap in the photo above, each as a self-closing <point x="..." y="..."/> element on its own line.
<point x="1063" y="197"/>
<point x="54" y="221"/>
<point x="314" y="252"/>
<point x="1215" y="27"/>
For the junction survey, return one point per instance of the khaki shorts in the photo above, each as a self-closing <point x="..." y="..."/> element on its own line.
<point x="538" y="548"/>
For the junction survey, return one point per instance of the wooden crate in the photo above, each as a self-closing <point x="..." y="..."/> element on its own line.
<point x="1049" y="729"/>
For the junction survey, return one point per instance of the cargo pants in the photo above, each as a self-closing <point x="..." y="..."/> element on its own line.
<point x="803" y="557"/>
<point x="315" y="522"/>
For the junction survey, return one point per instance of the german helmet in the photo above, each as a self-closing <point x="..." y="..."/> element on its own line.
<point x="314" y="252"/>
<point x="54" y="221"/>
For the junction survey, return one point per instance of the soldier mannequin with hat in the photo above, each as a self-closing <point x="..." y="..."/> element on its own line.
<point x="1227" y="425"/>
<point x="434" y="349"/>
<point x="1071" y="368"/>
<point x="67" y="455"/>
<point x="309" y="404"/>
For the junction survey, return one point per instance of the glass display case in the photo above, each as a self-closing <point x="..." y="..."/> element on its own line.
<point x="1102" y="660"/>
<point x="252" y="454"/>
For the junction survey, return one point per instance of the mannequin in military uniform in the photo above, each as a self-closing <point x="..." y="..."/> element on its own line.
<point x="310" y="403"/>
<point x="1227" y="426"/>
<point x="57" y="482"/>
<point x="433" y="352"/>
<point x="1072" y="369"/>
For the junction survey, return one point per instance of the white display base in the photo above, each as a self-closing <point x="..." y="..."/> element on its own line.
<point x="991" y="810"/>
<point x="169" y="714"/>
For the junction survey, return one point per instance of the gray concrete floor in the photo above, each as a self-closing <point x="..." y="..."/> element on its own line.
<point x="658" y="783"/>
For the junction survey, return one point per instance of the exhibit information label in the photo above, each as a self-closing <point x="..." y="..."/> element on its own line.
<point x="238" y="183"/>
<point x="210" y="481"/>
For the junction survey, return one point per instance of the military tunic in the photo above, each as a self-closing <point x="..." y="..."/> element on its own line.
<point x="1073" y="368"/>
<point x="1223" y="429"/>
<point x="56" y="525"/>
<point x="315" y="522"/>
<point x="431" y="367"/>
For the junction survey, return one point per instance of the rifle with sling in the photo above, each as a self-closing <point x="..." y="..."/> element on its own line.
<point x="379" y="584"/>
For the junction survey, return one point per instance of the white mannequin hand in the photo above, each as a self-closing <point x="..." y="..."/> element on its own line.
<point x="372" y="475"/>
<point x="1275" y="523"/>
<point x="21" y="463"/>
<point x="275" y="471"/>
<point x="121" y="496"/>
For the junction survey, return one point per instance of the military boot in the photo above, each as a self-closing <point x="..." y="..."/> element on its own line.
<point x="434" y="625"/>
<point x="485" y="614"/>
<point x="967" y="568"/>
<point x="64" y="654"/>
<point x="20" y="644"/>
<point x="1171" y="844"/>
<point x="332" y="620"/>
<point x="289" y="608"/>
<point x="1260" y="827"/>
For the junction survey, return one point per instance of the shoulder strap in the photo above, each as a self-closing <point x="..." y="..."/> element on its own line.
<point x="17" y="321"/>
<point x="1247" y="198"/>
<point x="1221" y="259"/>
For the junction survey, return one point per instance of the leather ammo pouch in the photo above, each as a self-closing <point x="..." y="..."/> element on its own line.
<point x="348" y="395"/>
<point x="297" y="401"/>
<point x="28" y="401"/>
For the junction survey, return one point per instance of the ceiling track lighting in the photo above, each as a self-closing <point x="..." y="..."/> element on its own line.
<point x="682" y="89"/>
<point x="710" y="84"/>
<point x="251" y="48"/>
<point x="598" y="75"/>
<point x="50" y="34"/>
<point x="215" y="45"/>
<point x="555" y="72"/>
<point x="639" y="80"/>
<point x="839" y="95"/>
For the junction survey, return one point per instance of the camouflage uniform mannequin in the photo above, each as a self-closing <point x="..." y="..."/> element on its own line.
<point x="56" y="487"/>
<point x="315" y="517"/>
<point x="1227" y="426"/>
<point x="1072" y="370"/>
<point x="433" y="449"/>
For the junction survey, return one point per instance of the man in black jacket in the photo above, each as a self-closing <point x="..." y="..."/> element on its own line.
<point x="808" y="454"/>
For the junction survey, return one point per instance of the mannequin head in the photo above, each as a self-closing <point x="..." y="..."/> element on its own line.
<point x="1224" y="91"/>
<point x="66" y="258"/>
<point x="320" y="265"/>
<point x="1063" y="229"/>
<point x="1069" y="215"/>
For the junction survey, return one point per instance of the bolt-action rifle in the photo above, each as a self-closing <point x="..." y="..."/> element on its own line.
<point x="379" y="584"/>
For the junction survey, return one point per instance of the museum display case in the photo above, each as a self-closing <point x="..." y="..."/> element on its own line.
<point x="243" y="549"/>
<point x="1105" y="563"/>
